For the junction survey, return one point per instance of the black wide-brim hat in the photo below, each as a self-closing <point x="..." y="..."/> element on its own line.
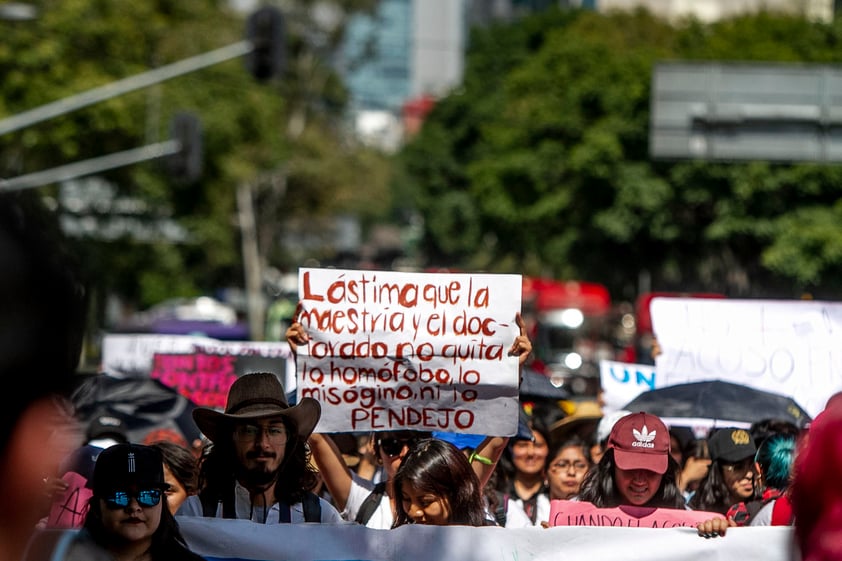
<point x="256" y="396"/>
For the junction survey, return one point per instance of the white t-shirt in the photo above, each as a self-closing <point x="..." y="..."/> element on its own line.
<point x="516" y="517"/>
<point x="381" y="518"/>
<point x="763" y="517"/>
<point x="243" y="507"/>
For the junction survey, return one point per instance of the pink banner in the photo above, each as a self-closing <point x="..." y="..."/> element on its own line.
<point x="580" y="513"/>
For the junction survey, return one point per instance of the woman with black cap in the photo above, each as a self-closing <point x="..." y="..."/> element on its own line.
<point x="127" y="516"/>
<point x="732" y="474"/>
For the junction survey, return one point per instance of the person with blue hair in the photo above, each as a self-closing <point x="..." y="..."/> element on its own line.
<point x="775" y="458"/>
<point x="773" y="462"/>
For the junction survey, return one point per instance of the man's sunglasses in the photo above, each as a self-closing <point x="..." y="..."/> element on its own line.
<point x="394" y="446"/>
<point x="145" y="498"/>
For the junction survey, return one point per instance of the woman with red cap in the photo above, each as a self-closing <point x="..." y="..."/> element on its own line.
<point x="637" y="468"/>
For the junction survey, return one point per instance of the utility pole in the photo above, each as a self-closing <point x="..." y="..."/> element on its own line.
<point x="252" y="266"/>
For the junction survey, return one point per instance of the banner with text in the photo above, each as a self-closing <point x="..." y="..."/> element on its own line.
<point x="242" y="539"/>
<point x="198" y="368"/>
<point x="621" y="382"/>
<point x="581" y="513"/>
<point x="788" y="347"/>
<point x="424" y="351"/>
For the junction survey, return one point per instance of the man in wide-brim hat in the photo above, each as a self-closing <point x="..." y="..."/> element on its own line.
<point x="256" y="466"/>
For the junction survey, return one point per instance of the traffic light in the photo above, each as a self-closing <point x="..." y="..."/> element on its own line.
<point x="187" y="163"/>
<point x="265" y="29"/>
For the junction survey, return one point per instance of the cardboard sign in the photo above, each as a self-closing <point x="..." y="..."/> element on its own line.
<point x="69" y="508"/>
<point x="392" y="351"/>
<point x="581" y="513"/>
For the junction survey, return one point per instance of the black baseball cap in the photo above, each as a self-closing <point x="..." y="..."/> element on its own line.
<point x="731" y="445"/>
<point x="124" y="466"/>
<point x="107" y="426"/>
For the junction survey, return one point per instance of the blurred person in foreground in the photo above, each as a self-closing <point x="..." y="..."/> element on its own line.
<point x="816" y="489"/>
<point x="42" y="321"/>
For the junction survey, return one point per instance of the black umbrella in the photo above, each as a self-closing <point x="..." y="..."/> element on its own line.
<point x="535" y="384"/>
<point x="150" y="410"/>
<point x="719" y="401"/>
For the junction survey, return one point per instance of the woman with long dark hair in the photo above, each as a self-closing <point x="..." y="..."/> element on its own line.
<point x="436" y="485"/>
<point x="636" y="469"/>
<point x="732" y="473"/>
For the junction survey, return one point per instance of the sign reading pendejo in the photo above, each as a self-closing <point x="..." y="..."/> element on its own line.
<point x="422" y="351"/>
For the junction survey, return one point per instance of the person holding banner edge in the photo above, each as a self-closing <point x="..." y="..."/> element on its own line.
<point x="352" y="494"/>
<point x="636" y="479"/>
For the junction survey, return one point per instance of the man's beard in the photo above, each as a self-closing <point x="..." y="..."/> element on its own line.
<point x="257" y="476"/>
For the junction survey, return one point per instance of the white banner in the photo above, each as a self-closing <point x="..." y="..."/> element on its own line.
<point x="425" y="351"/>
<point x="242" y="539"/>
<point x="788" y="347"/>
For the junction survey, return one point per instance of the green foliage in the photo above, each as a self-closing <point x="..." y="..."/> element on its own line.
<point x="78" y="45"/>
<point x="547" y="145"/>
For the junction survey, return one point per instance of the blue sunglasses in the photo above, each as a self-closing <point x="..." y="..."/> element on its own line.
<point x="145" y="498"/>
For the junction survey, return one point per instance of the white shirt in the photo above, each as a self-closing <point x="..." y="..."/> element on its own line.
<point x="763" y="517"/>
<point x="243" y="508"/>
<point x="516" y="516"/>
<point x="382" y="518"/>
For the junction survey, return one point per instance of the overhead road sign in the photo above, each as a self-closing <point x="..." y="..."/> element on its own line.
<point x="746" y="111"/>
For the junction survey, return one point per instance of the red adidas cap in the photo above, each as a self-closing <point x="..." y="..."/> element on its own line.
<point x="640" y="441"/>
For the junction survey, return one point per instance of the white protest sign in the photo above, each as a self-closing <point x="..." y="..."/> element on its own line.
<point x="788" y="347"/>
<point x="130" y="355"/>
<point x="424" y="351"/>
<point x="621" y="382"/>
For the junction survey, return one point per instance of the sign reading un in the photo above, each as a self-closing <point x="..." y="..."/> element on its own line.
<point x="746" y="111"/>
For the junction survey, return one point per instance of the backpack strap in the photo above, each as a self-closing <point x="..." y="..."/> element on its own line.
<point x="500" y="513"/>
<point x="311" y="503"/>
<point x="312" y="507"/>
<point x="370" y="504"/>
<point x="212" y="507"/>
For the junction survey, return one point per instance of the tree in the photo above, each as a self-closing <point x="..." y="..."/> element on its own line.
<point x="303" y="168"/>
<point x="540" y="164"/>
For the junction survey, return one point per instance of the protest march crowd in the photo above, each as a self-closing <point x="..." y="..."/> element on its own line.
<point x="95" y="494"/>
